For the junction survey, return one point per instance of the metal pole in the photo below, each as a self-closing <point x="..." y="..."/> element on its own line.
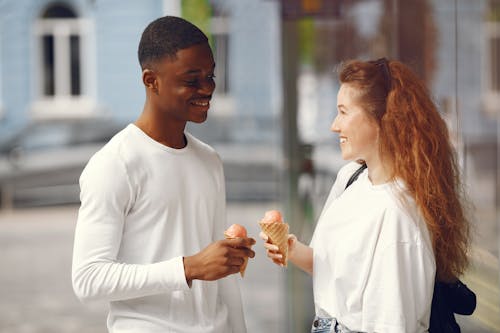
<point x="299" y="292"/>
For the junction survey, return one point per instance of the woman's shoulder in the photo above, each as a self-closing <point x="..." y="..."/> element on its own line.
<point x="402" y="216"/>
<point x="347" y="171"/>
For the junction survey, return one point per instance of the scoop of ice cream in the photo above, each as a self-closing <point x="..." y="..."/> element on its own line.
<point x="235" y="230"/>
<point x="272" y="216"/>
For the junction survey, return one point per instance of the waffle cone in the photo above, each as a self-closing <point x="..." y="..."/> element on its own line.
<point x="278" y="235"/>
<point x="244" y="266"/>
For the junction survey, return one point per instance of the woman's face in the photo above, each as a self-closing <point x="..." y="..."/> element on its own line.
<point x="358" y="133"/>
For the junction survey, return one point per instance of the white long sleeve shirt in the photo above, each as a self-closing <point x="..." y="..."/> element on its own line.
<point x="143" y="207"/>
<point x="374" y="265"/>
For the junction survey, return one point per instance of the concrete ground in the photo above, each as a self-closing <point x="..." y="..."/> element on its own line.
<point x="35" y="288"/>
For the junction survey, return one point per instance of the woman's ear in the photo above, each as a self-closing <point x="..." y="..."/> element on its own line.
<point x="150" y="80"/>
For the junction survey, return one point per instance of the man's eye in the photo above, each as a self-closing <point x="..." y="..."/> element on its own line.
<point x="191" y="82"/>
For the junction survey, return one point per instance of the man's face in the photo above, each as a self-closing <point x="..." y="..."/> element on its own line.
<point x="185" y="84"/>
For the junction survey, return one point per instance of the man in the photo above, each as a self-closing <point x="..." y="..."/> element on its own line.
<point x="153" y="204"/>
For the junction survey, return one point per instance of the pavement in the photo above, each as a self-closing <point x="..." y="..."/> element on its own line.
<point x="35" y="285"/>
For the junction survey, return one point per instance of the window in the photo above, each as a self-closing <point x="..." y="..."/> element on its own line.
<point x="60" y="43"/>
<point x="219" y="30"/>
<point x="221" y="53"/>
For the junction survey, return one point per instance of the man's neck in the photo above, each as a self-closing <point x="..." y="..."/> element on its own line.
<point x="168" y="133"/>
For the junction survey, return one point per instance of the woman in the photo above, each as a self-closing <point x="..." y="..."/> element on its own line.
<point x="380" y="243"/>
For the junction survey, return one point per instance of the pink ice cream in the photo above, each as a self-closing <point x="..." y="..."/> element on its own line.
<point x="235" y="230"/>
<point x="272" y="216"/>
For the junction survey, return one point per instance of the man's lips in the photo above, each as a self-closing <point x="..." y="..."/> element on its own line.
<point x="202" y="102"/>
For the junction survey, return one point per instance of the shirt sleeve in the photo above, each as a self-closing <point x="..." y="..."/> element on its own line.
<point x="106" y="196"/>
<point x="399" y="290"/>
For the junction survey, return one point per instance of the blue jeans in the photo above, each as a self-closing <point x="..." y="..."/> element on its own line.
<point x="328" y="325"/>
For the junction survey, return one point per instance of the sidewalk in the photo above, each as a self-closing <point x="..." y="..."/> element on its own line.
<point x="35" y="284"/>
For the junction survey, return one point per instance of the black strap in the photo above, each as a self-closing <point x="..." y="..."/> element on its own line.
<point x="355" y="175"/>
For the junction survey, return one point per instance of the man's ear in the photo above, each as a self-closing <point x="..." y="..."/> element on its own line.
<point x="150" y="80"/>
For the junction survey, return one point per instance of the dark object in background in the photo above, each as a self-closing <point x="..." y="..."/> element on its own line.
<point x="448" y="299"/>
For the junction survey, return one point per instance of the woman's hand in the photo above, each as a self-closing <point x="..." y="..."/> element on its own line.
<point x="299" y="254"/>
<point x="272" y="249"/>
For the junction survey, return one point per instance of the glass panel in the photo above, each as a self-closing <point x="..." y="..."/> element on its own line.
<point x="48" y="65"/>
<point x="75" y="65"/>
<point x="442" y="41"/>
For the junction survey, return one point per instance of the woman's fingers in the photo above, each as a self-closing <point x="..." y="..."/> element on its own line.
<point x="271" y="247"/>
<point x="278" y="262"/>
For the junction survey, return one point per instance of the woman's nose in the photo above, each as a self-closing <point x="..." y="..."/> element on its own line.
<point x="335" y="126"/>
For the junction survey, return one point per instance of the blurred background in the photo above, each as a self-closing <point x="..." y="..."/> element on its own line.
<point x="69" y="80"/>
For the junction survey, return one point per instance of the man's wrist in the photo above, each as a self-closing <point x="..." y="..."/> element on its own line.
<point x="188" y="271"/>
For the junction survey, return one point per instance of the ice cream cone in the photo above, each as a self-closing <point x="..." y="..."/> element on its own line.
<point x="235" y="231"/>
<point x="278" y="235"/>
<point x="245" y="262"/>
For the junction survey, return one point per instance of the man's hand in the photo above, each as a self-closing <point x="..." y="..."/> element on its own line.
<point x="219" y="259"/>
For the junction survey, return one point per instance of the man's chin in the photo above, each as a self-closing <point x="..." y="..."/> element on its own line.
<point x="199" y="120"/>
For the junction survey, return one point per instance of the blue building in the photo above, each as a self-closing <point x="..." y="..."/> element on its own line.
<point x="77" y="59"/>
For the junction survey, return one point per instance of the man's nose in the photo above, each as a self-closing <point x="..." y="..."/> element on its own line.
<point x="206" y="87"/>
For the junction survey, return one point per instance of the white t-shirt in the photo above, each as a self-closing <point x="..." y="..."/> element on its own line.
<point x="143" y="207"/>
<point x="374" y="265"/>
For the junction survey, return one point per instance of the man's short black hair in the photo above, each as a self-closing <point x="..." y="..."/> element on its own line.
<point x="165" y="36"/>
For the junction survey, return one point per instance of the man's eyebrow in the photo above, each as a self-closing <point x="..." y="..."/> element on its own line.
<point x="195" y="71"/>
<point x="192" y="71"/>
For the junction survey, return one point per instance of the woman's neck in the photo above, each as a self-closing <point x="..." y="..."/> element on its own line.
<point x="379" y="171"/>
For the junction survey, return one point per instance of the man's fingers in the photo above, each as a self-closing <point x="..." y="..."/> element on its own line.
<point x="234" y="269"/>
<point x="263" y="236"/>
<point x="234" y="261"/>
<point x="241" y="242"/>
<point x="242" y="252"/>
<point x="249" y="253"/>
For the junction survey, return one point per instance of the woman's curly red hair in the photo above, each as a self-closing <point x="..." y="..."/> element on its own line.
<point x="414" y="136"/>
